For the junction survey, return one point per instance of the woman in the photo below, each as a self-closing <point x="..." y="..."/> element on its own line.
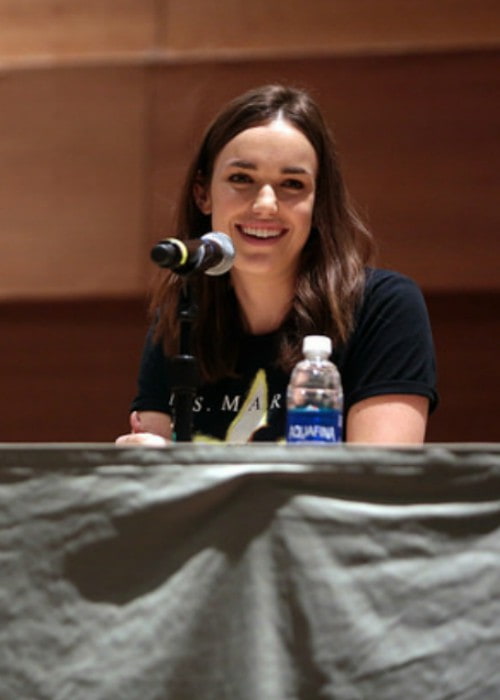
<point x="267" y="175"/>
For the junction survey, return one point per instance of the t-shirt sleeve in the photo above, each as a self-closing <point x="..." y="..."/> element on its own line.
<point x="152" y="391"/>
<point x="391" y="350"/>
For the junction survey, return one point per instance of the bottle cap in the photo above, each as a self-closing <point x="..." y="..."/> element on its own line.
<point x="321" y="344"/>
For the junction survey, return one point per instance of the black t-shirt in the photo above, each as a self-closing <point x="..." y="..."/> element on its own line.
<point x="390" y="351"/>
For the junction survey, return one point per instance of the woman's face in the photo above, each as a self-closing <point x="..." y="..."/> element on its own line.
<point x="262" y="195"/>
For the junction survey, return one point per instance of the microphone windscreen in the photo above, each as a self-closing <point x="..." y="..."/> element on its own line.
<point x="228" y="252"/>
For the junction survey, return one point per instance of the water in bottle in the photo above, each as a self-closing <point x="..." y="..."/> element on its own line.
<point x="314" y="395"/>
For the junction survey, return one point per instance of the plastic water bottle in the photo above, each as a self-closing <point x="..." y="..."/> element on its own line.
<point x="314" y="395"/>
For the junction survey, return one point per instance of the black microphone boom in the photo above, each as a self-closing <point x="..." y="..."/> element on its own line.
<point x="213" y="254"/>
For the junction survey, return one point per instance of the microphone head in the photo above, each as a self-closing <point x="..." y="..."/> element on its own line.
<point x="228" y="252"/>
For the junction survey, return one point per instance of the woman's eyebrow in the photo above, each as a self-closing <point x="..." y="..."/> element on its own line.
<point x="236" y="163"/>
<point x="295" y="170"/>
<point x="288" y="170"/>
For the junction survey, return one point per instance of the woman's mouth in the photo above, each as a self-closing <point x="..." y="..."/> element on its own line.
<point x="261" y="232"/>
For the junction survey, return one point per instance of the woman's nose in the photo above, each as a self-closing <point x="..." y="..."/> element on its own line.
<point x="266" y="201"/>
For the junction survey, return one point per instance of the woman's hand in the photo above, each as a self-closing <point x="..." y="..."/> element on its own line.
<point x="150" y="428"/>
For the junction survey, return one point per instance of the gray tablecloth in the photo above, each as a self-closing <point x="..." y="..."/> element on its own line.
<point x="253" y="572"/>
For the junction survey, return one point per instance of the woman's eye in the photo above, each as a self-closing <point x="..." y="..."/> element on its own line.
<point x="239" y="178"/>
<point x="293" y="184"/>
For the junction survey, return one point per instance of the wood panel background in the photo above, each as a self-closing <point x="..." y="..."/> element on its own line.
<point x="100" y="103"/>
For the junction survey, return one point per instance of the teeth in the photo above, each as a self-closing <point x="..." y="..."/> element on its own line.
<point x="261" y="232"/>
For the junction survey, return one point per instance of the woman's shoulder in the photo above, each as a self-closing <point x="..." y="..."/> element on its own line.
<point x="390" y="295"/>
<point x="380" y="280"/>
<point x="390" y="288"/>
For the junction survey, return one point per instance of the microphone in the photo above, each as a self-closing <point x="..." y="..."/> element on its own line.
<point x="213" y="254"/>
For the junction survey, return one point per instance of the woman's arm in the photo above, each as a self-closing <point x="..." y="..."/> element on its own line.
<point x="388" y="419"/>
<point x="148" y="428"/>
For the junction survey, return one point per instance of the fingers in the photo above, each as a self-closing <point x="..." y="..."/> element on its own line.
<point x="135" y="422"/>
<point x="147" y="439"/>
<point x="148" y="428"/>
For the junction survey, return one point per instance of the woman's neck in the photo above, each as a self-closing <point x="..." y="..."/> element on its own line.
<point x="264" y="303"/>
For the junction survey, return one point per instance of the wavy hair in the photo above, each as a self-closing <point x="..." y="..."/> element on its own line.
<point x="331" y="271"/>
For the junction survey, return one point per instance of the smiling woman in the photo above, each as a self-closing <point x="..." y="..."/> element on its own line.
<point x="267" y="175"/>
<point x="262" y="194"/>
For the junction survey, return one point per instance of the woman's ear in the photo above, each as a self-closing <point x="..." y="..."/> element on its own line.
<point x="202" y="197"/>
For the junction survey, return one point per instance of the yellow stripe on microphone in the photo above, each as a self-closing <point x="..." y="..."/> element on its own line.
<point x="183" y="248"/>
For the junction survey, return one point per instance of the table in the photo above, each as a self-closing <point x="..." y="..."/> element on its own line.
<point x="258" y="572"/>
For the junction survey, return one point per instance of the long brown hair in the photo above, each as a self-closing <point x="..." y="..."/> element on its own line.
<point x="330" y="278"/>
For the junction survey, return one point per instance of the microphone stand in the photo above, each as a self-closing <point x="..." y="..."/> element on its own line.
<point x="185" y="369"/>
<point x="213" y="254"/>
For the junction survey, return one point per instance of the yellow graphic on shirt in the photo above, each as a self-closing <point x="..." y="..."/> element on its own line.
<point x="251" y="416"/>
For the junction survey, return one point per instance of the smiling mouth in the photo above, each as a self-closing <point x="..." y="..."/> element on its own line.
<point x="261" y="233"/>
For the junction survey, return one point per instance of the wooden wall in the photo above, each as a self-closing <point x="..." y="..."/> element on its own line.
<point x="100" y="103"/>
